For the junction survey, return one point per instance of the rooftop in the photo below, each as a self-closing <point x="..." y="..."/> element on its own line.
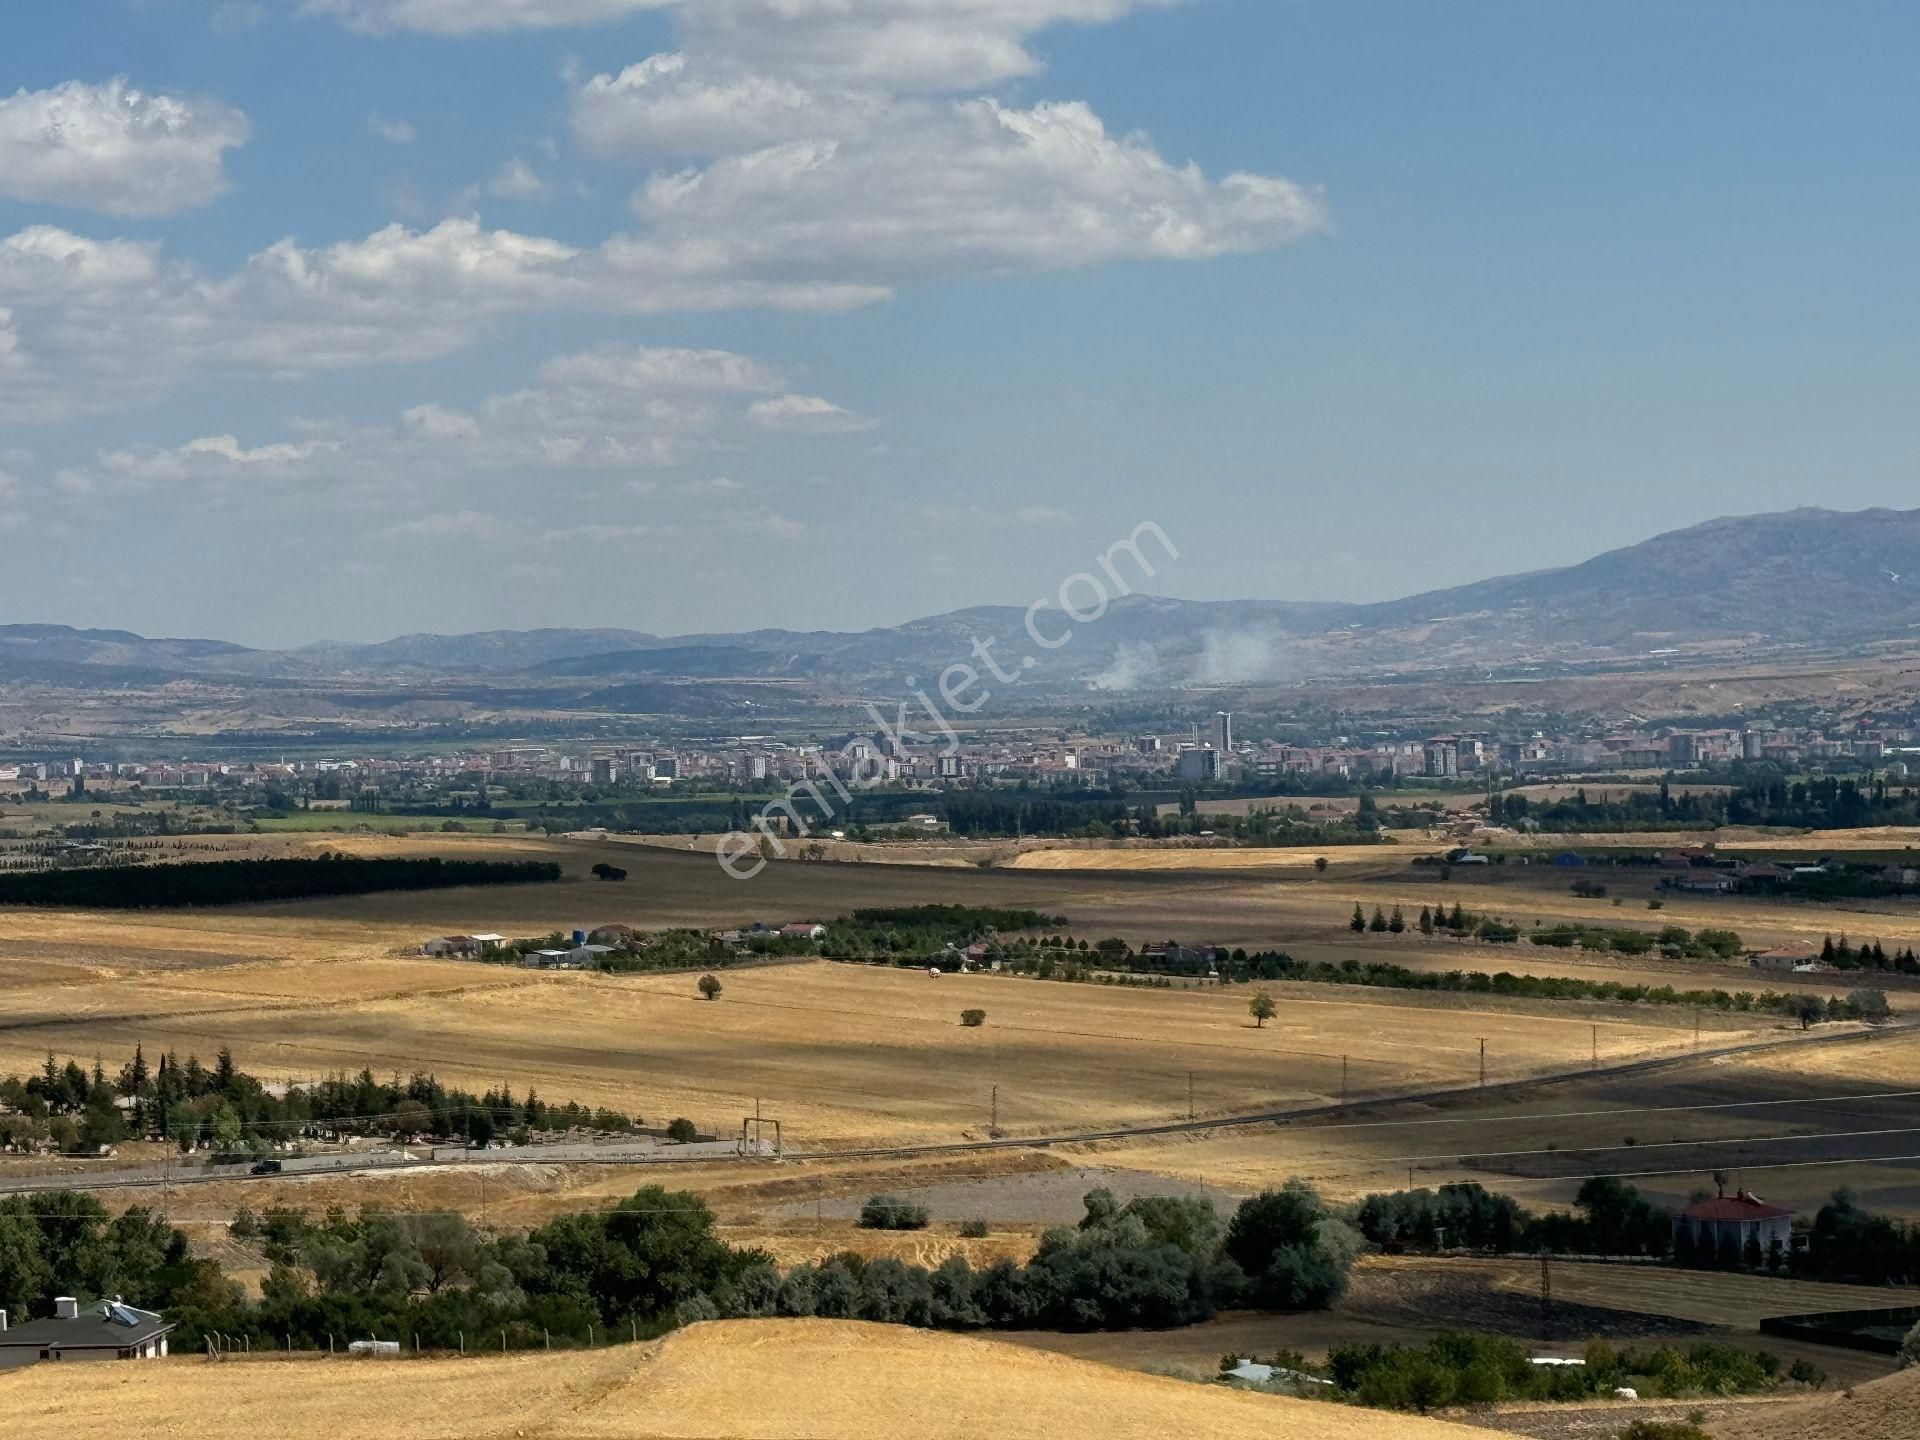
<point x="105" y="1324"/>
<point x="1738" y="1206"/>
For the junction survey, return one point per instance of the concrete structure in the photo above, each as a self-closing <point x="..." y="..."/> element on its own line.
<point x="1198" y="765"/>
<point x="1223" y="731"/>
<point x="104" y="1330"/>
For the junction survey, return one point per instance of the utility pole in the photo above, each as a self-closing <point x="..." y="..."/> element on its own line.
<point x="1483" y="1062"/>
<point x="1596" y="1047"/>
<point x="1189" y="1097"/>
<point x="1343" y="1079"/>
<point x="1546" y="1296"/>
<point x="994" y="1128"/>
<point x="1696" y="1030"/>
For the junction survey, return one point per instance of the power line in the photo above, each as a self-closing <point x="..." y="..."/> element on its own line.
<point x="1595" y="1114"/>
<point x="1654" y="1145"/>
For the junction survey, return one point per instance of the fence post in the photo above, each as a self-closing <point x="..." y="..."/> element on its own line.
<point x="463" y="1341"/>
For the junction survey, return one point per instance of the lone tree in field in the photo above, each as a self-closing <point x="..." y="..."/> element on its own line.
<point x="973" y="1019"/>
<point x="710" y="986"/>
<point x="682" y="1131"/>
<point x="1320" y="864"/>
<point x="1262" y="1008"/>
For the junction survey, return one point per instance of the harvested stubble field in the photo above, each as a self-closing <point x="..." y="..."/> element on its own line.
<point x="746" y="1380"/>
<point x="1843" y="1122"/>
<point x="860" y="1056"/>
<point x="841" y="1054"/>
<point x="1277" y="900"/>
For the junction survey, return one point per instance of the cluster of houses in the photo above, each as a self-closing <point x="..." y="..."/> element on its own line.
<point x="588" y="948"/>
<point x="585" y="952"/>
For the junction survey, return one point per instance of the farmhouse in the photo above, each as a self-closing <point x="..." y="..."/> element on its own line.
<point x="803" y="932"/>
<point x="1782" y="960"/>
<point x="104" y="1330"/>
<point x="1740" y="1218"/>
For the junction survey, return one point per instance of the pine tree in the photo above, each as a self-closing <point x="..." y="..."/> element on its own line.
<point x="1379" y="922"/>
<point x="1426" y="921"/>
<point x="1827" y="953"/>
<point x="1358" y="925"/>
<point x="1458" y="921"/>
<point x="1397" y="922"/>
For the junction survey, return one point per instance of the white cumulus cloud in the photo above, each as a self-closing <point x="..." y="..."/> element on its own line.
<point x="967" y="185"/>
<point x="473" y="17"/>
<point x="807" y="415"/>
<point x="116" y="149"/>
<point x="614" y="408"/>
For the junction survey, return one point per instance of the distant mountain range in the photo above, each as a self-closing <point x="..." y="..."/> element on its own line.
<point x="1803" y="579"/>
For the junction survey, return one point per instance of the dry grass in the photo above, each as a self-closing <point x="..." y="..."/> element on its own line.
<point x="752" y="1380"/>
<point x="1707" y="1298"/>
<point x="1887" y="1409"/>
<point x="1221" y="858"/>
<point x="840" y="1054"/>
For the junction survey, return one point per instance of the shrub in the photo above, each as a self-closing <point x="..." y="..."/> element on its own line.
<point x="1805" y="1372"/>
<point x="890" y="1212"/>
<point x="973" y="1019"/>
<point x="681" y="1131"/>
<point x="710" y="987"/>
<point x="974" y="1229"/>
<point x="1663" y="1430"/>
<point x="1910" y="1349"/>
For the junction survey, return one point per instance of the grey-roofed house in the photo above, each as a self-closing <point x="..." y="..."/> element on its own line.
<point x="104" y="1330"/>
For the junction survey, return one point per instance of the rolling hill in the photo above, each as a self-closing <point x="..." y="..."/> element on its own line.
<point x="742" y="1380"/>
<point x="1801" y="580"/>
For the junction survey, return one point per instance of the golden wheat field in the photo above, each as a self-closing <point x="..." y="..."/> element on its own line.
<point x="743" y="1380"/>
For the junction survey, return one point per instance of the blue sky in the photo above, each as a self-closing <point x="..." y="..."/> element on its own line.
<point x="347" y="318"/>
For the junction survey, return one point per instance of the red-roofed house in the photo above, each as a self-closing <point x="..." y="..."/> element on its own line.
<point x="1739" y="1216"/>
